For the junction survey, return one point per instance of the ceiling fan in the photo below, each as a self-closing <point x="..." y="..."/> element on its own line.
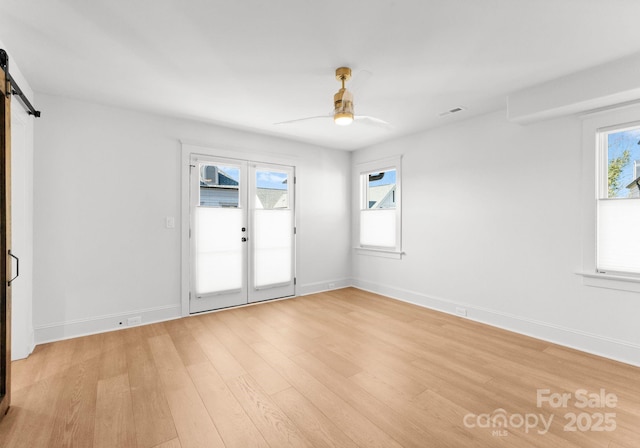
<point x="343" y="111"/>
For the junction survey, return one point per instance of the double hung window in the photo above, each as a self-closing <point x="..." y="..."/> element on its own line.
<point x="379" y="206"/>
<point x="618" y="199"/>
<point x="611" y="198"/>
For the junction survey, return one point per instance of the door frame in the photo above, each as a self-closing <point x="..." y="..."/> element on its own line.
<point x="190" y="148"/>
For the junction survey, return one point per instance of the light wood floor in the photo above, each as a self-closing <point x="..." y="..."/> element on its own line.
<point x="339" y="369"/>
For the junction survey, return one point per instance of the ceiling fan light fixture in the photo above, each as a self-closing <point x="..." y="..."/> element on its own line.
<point x="343" y="104"/>
<point x="343" y="118"/>
<point x="343" y="110"/>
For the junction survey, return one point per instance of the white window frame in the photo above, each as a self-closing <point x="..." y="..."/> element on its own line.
<point x="360" y="173"/>
<point x="592" y="178"/>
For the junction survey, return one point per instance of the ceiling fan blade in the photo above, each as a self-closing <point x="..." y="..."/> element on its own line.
<point x="304" y="119"/>
<point x="360" y="82"/>
<point x="373" y="121"/>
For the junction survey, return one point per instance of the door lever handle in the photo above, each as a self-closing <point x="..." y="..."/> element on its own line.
<point x="17" y="268"/>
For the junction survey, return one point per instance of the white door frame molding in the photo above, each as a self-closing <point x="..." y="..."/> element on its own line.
<point x="187" y="150"/>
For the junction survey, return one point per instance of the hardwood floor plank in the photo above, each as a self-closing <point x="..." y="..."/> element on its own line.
<point x="234" y="344"/>
<point x="233" y="319"/>
<point x="31" y="416"/>
<point x="224" y="362"/>
<point x="407" y="431"/>
<point x="303" y="311"/>
<point x="236" y="428"/>
<point x="181" y="333"/>
<point x="58" y="357"/>
<point x="338" y="363"/>
<point x="174" y="443"/>
<point x="285" y="327"/>
<point x="114" y="424"/>
<point x="153" y="420"/>
<point x="277" y="429"/>
<point x="90" y="347"/>
<point x="26" y="371"/>
<point x="113" y="363"/>
<point x="349" y="420"/>
<point x="283" y="314"/>
<point x="271" y="335"/>
<point x="73" y="425"/>
<point x="316" y="427"/>
<point x="192" y="421"/>
<point x="269" y="380"/>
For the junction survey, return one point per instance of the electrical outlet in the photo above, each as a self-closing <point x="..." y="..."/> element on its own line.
<point x="134" y="320"/>
<point x="461" y="311"/>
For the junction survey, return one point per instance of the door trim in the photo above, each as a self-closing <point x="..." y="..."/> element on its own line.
<point x="187" y="150"/>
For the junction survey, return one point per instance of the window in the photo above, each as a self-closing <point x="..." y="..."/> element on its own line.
<point x="379" y="224"/>
<point x="618" y="209"/>
<point x="219" y="186"/>
<point x="610" y="198"/>
<point x="272" y="189"/>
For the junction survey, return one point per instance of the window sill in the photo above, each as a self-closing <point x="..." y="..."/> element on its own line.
<point x="379" y="253"/>
<point x="610" y="281"/>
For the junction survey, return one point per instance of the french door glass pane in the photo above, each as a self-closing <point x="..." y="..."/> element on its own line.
<point x="272" y="189"/>
<point x="273" y="241"/>
<point x="218" y="249"/>
<point x="219" y="186"/>
<point x="273" y="229"/>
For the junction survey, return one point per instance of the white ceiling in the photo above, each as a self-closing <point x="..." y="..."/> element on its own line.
<point x="251" y="63"/>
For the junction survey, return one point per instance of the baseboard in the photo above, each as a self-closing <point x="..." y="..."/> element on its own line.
<point x="100" y="324"/>
<point x="615" y="349"/>
<point x="24" y="351"/>
<point x="611" y="348"/>
<point x="82" y="327"/>
<point x="313" y="288"/>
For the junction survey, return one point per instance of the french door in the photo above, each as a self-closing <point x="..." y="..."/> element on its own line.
<point x="242" y="232"/>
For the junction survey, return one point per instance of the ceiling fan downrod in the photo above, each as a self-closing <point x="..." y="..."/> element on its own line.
<point x="343" y="100"/>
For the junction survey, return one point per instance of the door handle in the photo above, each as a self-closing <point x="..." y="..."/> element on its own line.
<point x="17" y="268"/>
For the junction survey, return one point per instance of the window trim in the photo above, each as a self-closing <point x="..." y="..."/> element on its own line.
<point x="359" y="172"/>
<point x="593" y="124"/>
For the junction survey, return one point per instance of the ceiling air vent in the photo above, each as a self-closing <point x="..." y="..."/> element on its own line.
<point x="455" y="110"/>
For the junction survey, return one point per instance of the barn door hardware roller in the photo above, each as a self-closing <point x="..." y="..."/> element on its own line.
<point x="15" y="90"/>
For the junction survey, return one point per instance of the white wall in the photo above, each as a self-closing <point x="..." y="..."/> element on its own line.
<point x="106" y="178"/>
<point x="22" y="334"/>
<point x="492" y="222"/>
